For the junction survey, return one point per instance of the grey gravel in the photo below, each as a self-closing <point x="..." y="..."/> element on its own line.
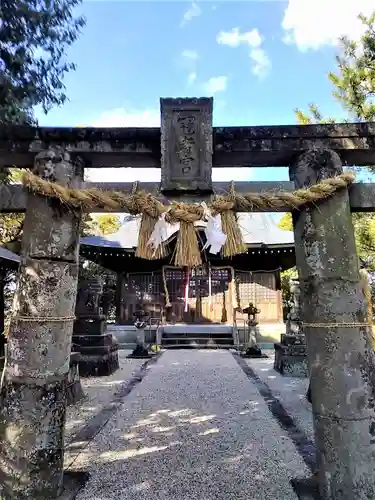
<point x="196" y="428"/>
<point x="291" y="391"/>
<point x="99" y="391"/>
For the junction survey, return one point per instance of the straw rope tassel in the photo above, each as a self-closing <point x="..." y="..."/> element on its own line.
<point x="187" y="247"/>
<point x="234" y="243"/>
<point x="151" y="211"/>
<point x="145" y="251"/>
<point x="187" y="251"/>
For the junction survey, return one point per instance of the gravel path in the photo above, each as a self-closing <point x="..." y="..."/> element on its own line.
<point x="289" y="390"/>
<point x="99" y="392"/>
<point x="195" y="428"/>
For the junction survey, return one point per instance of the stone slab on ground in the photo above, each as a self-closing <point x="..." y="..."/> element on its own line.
<point x="195" y="428"/>
<point x="99" y="392"/>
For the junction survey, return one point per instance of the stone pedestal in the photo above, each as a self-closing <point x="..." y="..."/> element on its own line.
<point x="291" y="357"/>
<point x="98" y="350"/>
<point x="290" y="352"/>
<point x="294" y="324"/>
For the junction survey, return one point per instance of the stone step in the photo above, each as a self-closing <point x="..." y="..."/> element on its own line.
<point x="196" y="335"/>
<point x="199" y="342"/>
<point x="197" y="329"/>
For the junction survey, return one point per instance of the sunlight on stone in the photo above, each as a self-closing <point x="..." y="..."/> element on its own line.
<point x="209" y="431"/>
<point x="145" y="485"/>
<point x="198" y="420"/>
<point x="123" y="455"/>
<point x="146" y="421"/>
<point x="162" y="429"/>
<point x="131" y="435"/>
<point x="181" y="413"/>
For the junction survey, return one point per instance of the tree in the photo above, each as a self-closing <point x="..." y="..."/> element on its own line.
<point x="354" y="88"/>
<point x="34" y="36"/>
<point x="354" y="82"/>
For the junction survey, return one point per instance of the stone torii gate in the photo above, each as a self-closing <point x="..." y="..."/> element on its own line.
<point x="186" y="147"/>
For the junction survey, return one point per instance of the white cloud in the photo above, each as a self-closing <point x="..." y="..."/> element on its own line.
<point x="189" y="60"/>
<point x="193" y="11"/>
<point x="313" y="24"/>
<point x="261" y="63"/>
<point x="192" y="77"/>
<point x="192" y="55"/>
<point x="234" y="38"/>
<point x="216" y="84"/>
<point x="121" y="117"/>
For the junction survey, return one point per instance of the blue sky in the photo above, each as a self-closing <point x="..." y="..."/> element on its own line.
<point x="259" y="59"/>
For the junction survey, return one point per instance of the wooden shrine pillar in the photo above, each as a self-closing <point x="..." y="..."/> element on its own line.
<point x="341" y="358"/>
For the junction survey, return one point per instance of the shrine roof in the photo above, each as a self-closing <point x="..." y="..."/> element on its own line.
<point x="7" y="255"/>
<point x="257" y="229"/>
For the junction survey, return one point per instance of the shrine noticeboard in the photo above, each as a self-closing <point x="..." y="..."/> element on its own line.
<point x="186" y="144"/>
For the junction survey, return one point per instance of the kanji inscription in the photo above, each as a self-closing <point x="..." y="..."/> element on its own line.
<point x="186" y="144"/>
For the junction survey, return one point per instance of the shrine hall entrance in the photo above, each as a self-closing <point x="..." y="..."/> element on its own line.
<point x="200" y="295"/>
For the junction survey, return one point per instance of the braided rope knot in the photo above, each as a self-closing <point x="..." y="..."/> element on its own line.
<point x="182" y="212"/>
<point x="221" y="204"/>
<point x="145" y="203"/>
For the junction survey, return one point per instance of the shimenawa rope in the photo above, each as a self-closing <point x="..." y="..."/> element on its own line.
<point x="141" y="202"/>
<point x="187" y="252"/>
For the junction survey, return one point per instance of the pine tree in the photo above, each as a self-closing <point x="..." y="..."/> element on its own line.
<point x="354" y="88"/>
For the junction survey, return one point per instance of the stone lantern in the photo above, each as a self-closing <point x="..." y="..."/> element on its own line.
<point x="252" y="350"/>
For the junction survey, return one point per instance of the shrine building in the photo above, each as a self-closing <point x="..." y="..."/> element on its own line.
<point x="213" y="293"/>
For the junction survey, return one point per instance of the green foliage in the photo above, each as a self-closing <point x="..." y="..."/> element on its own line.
<point x="107" y="223"/>
<point x="354" y="89"/>
<point x="99" y="225"/>
<point x="286" y="223"/>
<point x="34" y="36"/>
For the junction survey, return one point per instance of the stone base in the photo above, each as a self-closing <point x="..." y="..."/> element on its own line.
<point x="90" y="326"/>
<point x="74" y="390"/>
<point x="101" y="364"/>
<point x="306" y="489"/>
<point x="308" y="394"/>
<point x="140" y="352"/>
<point x="86" y="340"/>
<point x="98" y="354"/>
<point x="253" y="352"/>
<point x="289" y="362"/>
<point x="73" y="483"/>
